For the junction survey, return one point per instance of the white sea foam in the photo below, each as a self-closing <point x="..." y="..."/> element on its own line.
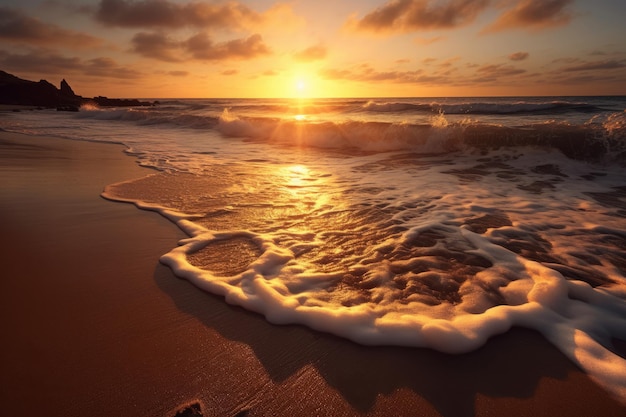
<point x="578" y="319"/>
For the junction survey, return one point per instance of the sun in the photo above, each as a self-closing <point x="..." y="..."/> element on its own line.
<point x="300" y="85"/>
<point x="303" y="82"/>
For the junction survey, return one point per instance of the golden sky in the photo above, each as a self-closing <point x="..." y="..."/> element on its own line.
<point x="321" y="48"/>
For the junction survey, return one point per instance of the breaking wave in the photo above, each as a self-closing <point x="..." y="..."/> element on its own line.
<point x="484" y="108"/>
<point x="594" y="140"/>
<point x="602" y="135"/>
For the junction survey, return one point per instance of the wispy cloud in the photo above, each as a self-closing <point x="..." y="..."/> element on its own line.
<point x="107" y="67"/>
<point x="401" y="16"/>
<point x="169" y="14"/>
<point x="365" y="73"/>
<point x="15" y="26"/>
<point x="596" y="66"/>
<point x="519" y="56"/>
<point x="156" y="45"/>
<point x="53" y="62"/>
<point x="160" y="46"/>
<point x="451" y="72"/>
<point x="496" y="71"/>
<point x="178" y="73"/>
<point x="429" y="41"/>
<point x="533" y="15"/>
<point x="206" y="15"/>
<point x="202" y="47"/>
<point x="310" y="54"/>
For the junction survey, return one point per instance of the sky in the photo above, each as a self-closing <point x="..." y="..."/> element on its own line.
<point x="321" y="48"/>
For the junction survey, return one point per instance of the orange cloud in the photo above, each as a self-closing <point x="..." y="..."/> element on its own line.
<point x="428" y="41"/>
<point x="156" y="45"/>
<point x="492" y="72"/>
<point x="313" y="53"/>
<point x="202" y="47"/>
<point x="168" y="14"/>
<point x="35" y="60"/>
<point x="368" y="74"/>
<point x="534" y="15"/>
<point x="596" y="66"/>
<point x="15" y="26"/>
<point x="160" y="46"/>
<point x="445" y="74"/>
<point x="401" y="16"/>
<point x="519" y="56"/>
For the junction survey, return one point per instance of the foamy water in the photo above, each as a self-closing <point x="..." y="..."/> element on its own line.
<point x="434" y="223"/>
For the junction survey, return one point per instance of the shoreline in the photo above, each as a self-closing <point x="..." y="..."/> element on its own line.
<point x="96" y="326"/>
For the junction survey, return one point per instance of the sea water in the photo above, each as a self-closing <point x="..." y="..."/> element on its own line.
<point x="418" y="222"/>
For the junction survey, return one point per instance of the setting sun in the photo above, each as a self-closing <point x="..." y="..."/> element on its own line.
<point x="302" y="86"/>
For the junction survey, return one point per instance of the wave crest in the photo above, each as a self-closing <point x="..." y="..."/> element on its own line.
<point x="483" y="108"/>
<point x="591" y="141"/>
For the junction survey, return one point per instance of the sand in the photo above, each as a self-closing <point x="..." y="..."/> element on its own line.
<point x="93" y="325"/>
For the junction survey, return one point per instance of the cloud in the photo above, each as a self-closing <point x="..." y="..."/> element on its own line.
<point x="365" y="73"/>
<point x="230" y="72"/>
<point x="499" y="70"/>
<point x="428" y="41"/>
<point x="313" y="53"/>
<point x="202" y="47"/>
<point x="158" y="45"/>
<point x="519" y="56"/>
<point x="16" y="26"/>
<point x="596" y="66"/>
<point x="494" y="72"/>
<point x="166" y="14"/>
<point x="107" y="67"/>
<point x="178" y="73"/>
<point x="533" y="15"/>
<point x="401" y="16"/>
<point x="35" y="60"/>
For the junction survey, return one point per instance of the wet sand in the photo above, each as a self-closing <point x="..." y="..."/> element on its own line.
<point x="93" y="325"/>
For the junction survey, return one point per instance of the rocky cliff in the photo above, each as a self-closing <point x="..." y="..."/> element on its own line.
<point x="16" y="91"/>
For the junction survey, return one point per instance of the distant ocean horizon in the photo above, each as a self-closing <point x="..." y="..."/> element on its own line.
<point x="430" y="222"/>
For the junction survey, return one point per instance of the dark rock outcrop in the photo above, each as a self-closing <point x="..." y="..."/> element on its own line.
<point x="66" y="90"/>
<point x="16" y="91"/>
<point x="118" y="102"/>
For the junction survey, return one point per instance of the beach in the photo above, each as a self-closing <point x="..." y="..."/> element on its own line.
<point x="94" y="325"/>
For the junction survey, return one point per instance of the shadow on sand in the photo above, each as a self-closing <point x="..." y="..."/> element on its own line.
<point x="509" y="366"/>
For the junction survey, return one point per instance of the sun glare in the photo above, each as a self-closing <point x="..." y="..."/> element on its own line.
<point x="301" y="87"/>
<point x="304" y="84"/>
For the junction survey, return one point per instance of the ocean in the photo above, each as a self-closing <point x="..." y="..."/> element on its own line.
<point x="420" y="222"/>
